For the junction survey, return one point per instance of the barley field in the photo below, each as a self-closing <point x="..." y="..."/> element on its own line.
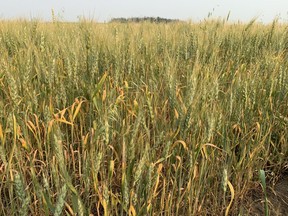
<point x="142" y="118"/>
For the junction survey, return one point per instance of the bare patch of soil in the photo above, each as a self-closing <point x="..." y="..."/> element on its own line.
<point x="277" y="199"/>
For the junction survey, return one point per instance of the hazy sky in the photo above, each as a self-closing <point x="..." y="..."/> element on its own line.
<point x="103" y="10"/>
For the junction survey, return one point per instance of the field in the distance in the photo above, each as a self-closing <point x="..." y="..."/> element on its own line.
<point x="142" y="119"/>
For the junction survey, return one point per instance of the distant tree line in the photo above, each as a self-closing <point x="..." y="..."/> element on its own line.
<point x="144" y="19"/>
